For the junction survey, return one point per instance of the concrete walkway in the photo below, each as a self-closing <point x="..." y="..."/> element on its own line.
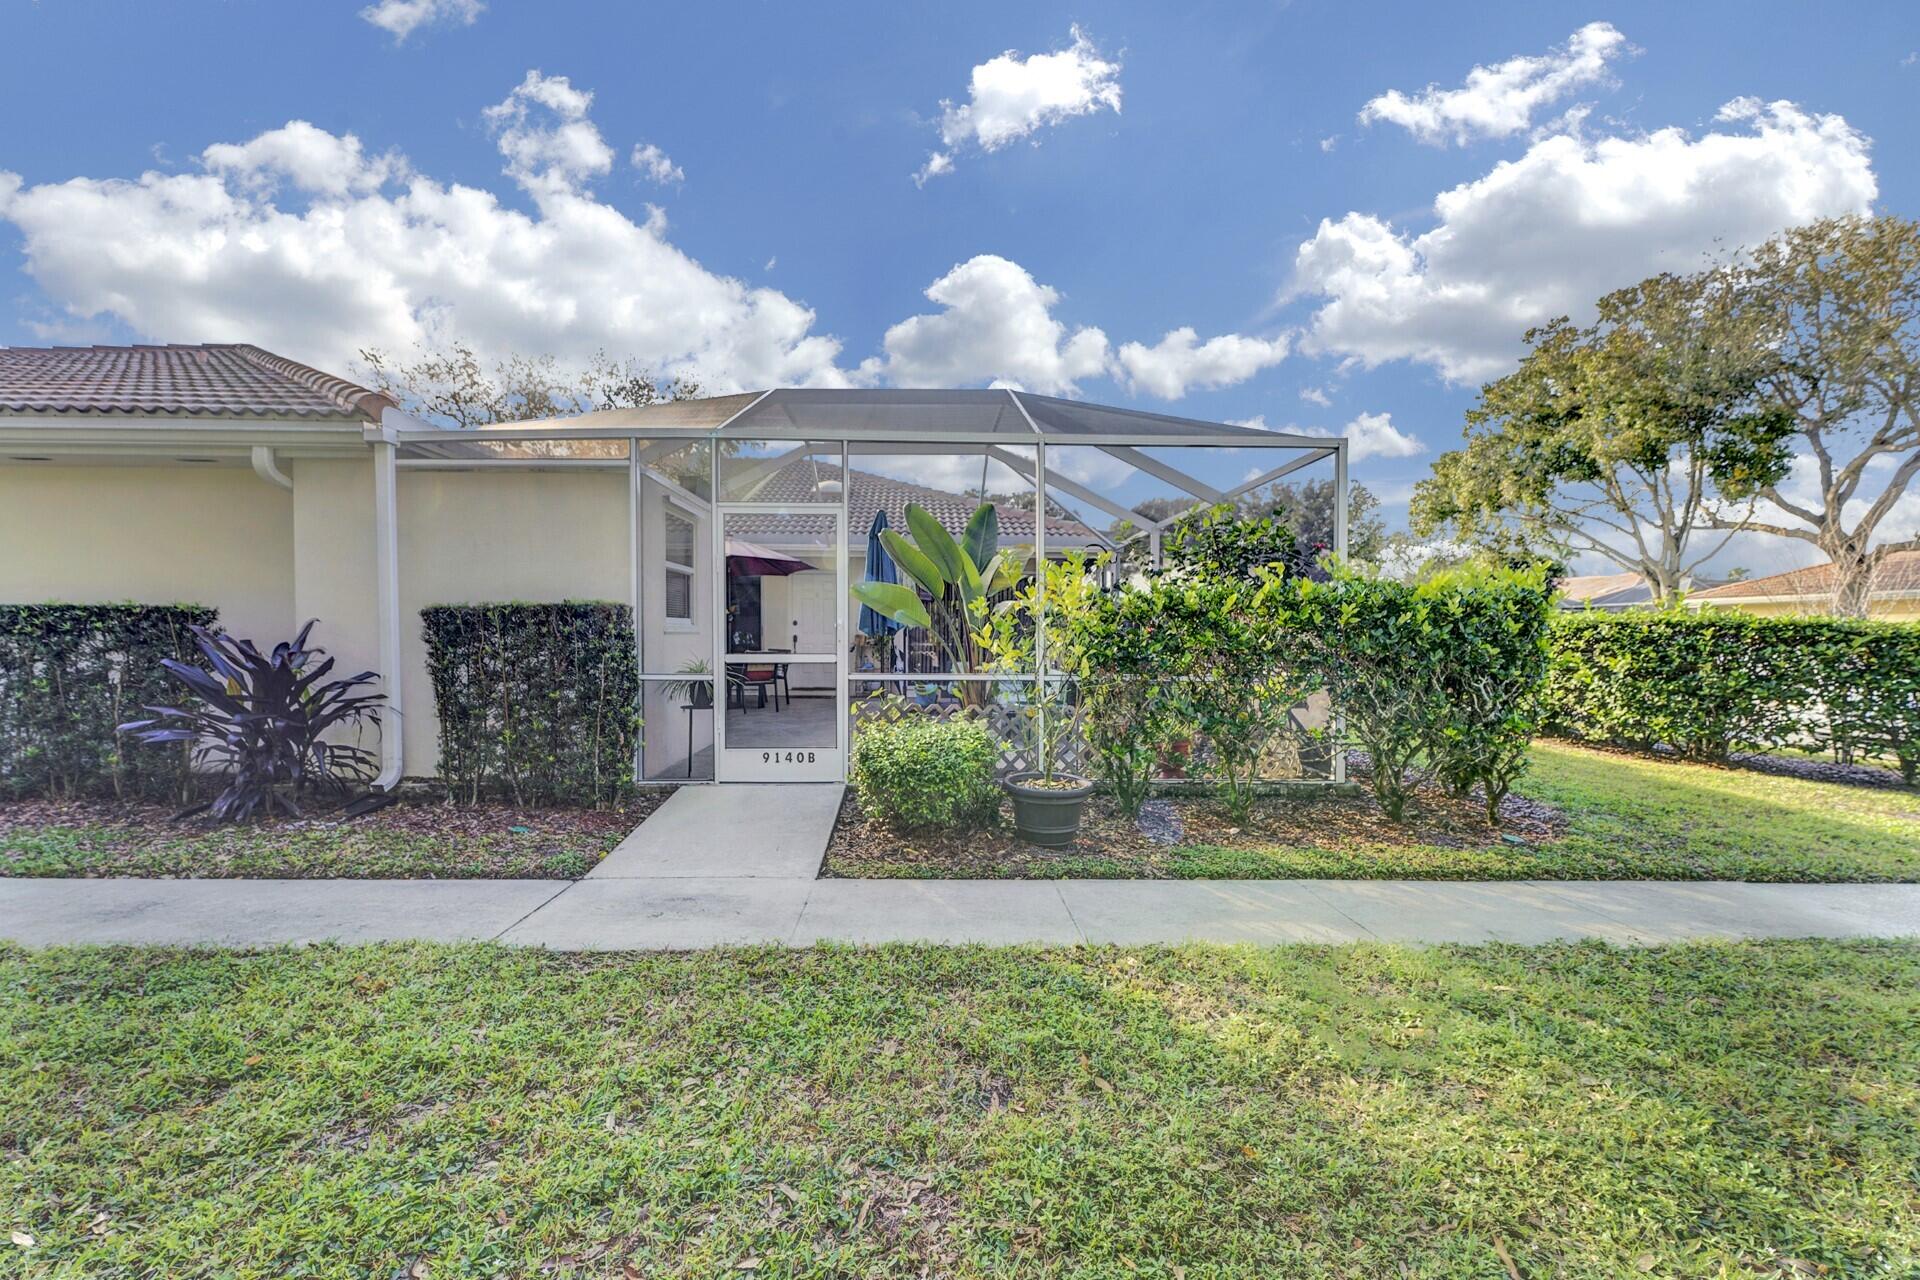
<point x="654" y="909"/>
<point x="740" y="831"/>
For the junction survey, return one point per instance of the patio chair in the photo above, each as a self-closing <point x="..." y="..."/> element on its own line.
<point x="742" y="675"/>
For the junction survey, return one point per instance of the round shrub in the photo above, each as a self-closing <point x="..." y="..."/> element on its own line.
<point x="924" y="774"/>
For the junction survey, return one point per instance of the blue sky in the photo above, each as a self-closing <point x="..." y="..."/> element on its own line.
<point x="1203" y="166"/>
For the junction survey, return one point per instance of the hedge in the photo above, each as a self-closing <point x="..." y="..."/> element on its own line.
<point x="924" y="774"/>
<point x="1710" y="683"/>
<point x="69" y="673"/>
<point x="538" y="703"/>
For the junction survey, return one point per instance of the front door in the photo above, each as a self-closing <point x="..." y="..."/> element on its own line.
<point x="784" y="716"/>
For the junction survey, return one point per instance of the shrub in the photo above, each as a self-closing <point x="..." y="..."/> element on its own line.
<point x="1709" y="683"/>
<point x="1440" y="678"/>
<point x="538" y="703"/>
<point x="1128" y="657"/>
<point x="261" y="722"/>
<point x="69" y="674"/>
<point x="925" y="774"/>
<point x="1702" y="684"/>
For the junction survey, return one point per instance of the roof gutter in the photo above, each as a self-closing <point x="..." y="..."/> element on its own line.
<point x="386" y="575"/>
<point x="267" y="468"/>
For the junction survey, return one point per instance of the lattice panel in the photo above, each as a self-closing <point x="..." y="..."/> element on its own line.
<point x="1008" y="723"/>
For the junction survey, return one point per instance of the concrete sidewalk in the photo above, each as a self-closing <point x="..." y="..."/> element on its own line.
<point x="664" y="911"/>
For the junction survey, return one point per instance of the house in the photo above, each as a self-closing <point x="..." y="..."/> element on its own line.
<point x="229" y="476"/>
<point x="1895" y="595"/>
<point x="1612" y="592"/>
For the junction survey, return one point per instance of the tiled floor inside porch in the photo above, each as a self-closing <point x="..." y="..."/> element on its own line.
<point x="805" y="720"/>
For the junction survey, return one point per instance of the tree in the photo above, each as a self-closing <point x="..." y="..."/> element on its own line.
<point x="452" y="385"/>
<point x="1839" y="300"/>
<point x="1306" y="509"/>
<point x="1623" y="439"/>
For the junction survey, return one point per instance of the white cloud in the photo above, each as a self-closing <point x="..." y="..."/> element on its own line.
<point x="403" y="17"/>
<point x="1499" y="101"/>
<point x="310" y="158"/>
<point x="1316" y="396"/>
<point x="1571" y="219"/>
<point x="1180" y="361"/>
<point x="299" y="241"/>
<point x="1010" y="97"/>
<point x="1370" y="435"/>
<point x="657" y="165"/>
<point x="997" y="326"/>
<point x="543" y="130"/>
<point x="1373" y="435"/>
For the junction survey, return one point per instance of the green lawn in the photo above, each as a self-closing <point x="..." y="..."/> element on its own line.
<point x="1626" y="817"/>
<point x="1193" y="1112"/>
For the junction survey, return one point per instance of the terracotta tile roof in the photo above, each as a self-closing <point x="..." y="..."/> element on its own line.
<point x="223" y="380"/>
<point x="869" y="493"/>
<point x="1614" y="590"/>
<point x="1898" y="573"/>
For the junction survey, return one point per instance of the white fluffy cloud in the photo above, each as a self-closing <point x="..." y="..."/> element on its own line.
<point x="1373" y="435"/>
<point x="1499" y="101"/>
<point x="1010" y="97"/>
<point x="997" y="326"/>
<point x="403" y="17"/>
<point x="657" y="165"/>
<point x="1548" y="233"/>
<point x="1180" y="361"/>
<point x="300" y="241"/>
<point x="543" y="130"/>
<point x="1370" y="435"/>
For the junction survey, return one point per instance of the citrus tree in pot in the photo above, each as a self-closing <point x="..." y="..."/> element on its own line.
<point x="1048" y="802"/>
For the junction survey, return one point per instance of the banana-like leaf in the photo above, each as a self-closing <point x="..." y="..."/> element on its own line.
<point x="893" y="600"/>
<point x="914" y="563"/>
<point x="981" y="541"/>
<point x="935" y="541"/>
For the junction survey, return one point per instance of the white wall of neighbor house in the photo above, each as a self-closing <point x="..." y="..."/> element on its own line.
<point x="163" y="534"/>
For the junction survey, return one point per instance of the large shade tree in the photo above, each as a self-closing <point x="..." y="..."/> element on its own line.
<point x="1625" y="439"/>
<point x="1838" y="301"/>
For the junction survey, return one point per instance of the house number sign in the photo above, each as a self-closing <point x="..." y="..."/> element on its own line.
<point x="786" y="757"/>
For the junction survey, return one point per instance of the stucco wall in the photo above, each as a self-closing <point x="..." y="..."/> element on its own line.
<point x="1880" y="610"/>
<point x="213" y="535"/>
<point x="479" y="537"/>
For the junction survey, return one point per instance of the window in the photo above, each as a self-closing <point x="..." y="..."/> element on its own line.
<point x="677" y="547"/>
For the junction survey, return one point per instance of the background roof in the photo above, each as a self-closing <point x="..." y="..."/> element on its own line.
<point x="215" y="380"/>
<point x="797" y="481"/>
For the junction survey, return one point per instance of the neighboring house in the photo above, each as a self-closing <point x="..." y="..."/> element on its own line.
<point x="1612" y="592"/>
<point x="1895" y="595"/>
<point x="225" y="475"/>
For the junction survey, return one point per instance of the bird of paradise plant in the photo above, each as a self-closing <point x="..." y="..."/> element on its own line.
<point x="952" y="575"/>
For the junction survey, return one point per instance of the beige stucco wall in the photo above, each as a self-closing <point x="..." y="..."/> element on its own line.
<point x="213" y="535"/>
<point x="1882" y="610"/>
<point x="481" y="537"/>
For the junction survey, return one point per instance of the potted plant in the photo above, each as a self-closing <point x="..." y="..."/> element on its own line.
<point x="1048" y="802"/>
<point x="697" y="692"/>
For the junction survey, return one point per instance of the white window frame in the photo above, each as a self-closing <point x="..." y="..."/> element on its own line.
<point x="669" y="567"/>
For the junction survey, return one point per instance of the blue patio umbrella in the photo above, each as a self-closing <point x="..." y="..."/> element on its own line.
<point x="880" y="568"/>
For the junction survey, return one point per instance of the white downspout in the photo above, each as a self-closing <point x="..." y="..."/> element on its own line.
<point x="268" y="468"/>
<point x="386" y="572"/>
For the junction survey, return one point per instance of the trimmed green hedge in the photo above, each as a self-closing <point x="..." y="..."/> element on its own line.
<point x="1709" y="683"/>
<point x="69" y="673"/>
<point x="926" y="774"/>
<point x="538" y="703"/>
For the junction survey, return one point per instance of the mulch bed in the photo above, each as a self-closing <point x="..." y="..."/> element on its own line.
<point x="862" y="846"/>
<point x="411" y="838"/>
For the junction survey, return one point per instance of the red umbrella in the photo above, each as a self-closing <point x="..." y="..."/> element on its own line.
<point x="751" y="560"/>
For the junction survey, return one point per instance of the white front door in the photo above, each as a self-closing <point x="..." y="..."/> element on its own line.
<point x="783" y="715"/>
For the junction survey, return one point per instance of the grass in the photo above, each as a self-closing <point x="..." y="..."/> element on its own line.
<point x="405" y="841"/>
<point x="1625" y="817"/>
<point x="1192" y="1113"/>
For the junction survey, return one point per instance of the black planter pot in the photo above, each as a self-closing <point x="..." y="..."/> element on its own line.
<point x="1047" y="816"/>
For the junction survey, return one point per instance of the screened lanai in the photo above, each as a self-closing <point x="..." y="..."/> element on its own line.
<point x="744" y="522"/>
